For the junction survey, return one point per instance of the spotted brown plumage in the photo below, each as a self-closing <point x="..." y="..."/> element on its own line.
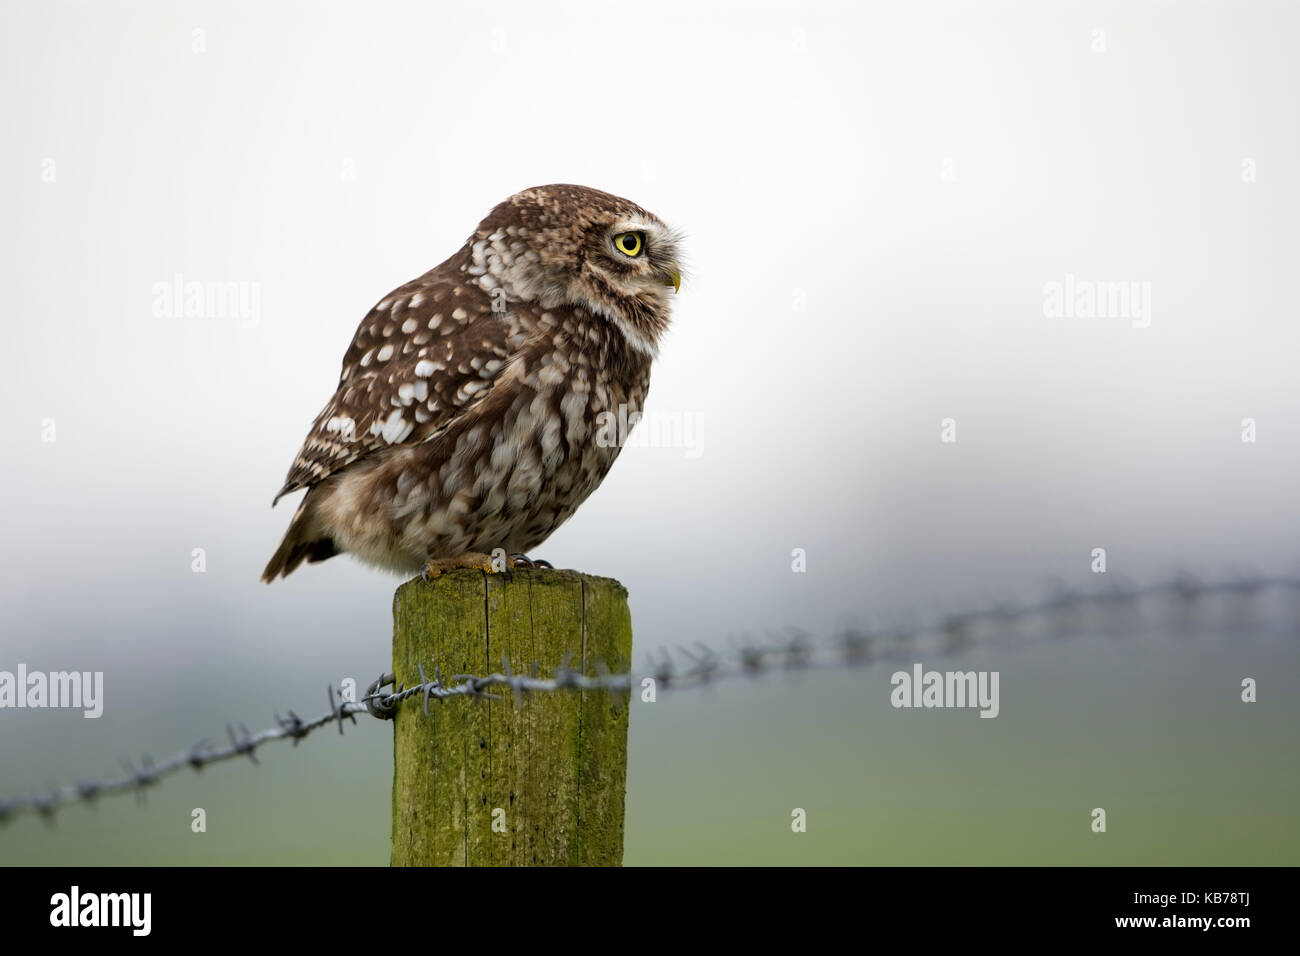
<point x="468" y="409"/>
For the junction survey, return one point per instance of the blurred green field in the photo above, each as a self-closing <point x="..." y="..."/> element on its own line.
<point x="1153" y="731"/>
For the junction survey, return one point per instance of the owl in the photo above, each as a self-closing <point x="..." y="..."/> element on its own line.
<point x="470" y="408"/>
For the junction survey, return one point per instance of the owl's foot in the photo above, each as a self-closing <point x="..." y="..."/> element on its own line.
<point x="473" y="560"/>
<point x="478" y="561"/>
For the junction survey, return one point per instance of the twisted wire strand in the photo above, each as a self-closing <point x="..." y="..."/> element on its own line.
<point x="684" y="667"/>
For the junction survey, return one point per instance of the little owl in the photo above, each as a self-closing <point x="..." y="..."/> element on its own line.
<point x="466" y="417"/>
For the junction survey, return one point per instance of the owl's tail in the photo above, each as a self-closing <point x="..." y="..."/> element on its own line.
<point x="301" y="543"/>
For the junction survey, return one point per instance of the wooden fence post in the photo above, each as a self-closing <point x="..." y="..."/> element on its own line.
<point x="489" y="783"/>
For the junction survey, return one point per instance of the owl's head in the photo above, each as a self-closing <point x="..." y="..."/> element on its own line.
<point x="571" y="245"/>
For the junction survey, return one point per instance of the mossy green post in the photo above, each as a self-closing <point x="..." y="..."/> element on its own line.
<point x="555" y="764"/>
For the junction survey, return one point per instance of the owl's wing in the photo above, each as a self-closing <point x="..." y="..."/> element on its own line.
<point x="425" y="355"/>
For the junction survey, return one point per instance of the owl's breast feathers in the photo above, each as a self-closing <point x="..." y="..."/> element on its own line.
<point x="456" y="427"/>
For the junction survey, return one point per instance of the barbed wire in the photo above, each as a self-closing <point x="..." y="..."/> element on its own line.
<point x="690" y="666"/>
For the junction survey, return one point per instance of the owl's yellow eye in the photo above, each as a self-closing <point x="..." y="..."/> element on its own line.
<point x="629" y="243"/>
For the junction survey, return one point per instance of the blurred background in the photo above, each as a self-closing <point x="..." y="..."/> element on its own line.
<point x="881" y="201"/>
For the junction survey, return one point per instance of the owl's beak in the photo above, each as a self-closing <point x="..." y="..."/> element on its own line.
<point x="674" y="279"/>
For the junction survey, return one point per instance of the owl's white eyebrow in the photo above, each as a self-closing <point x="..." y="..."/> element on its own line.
<point x="629" y="225"/>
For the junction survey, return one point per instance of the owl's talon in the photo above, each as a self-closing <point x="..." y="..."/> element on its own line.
<point x="524" y="561"/>
<point x="472" y="560"/>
